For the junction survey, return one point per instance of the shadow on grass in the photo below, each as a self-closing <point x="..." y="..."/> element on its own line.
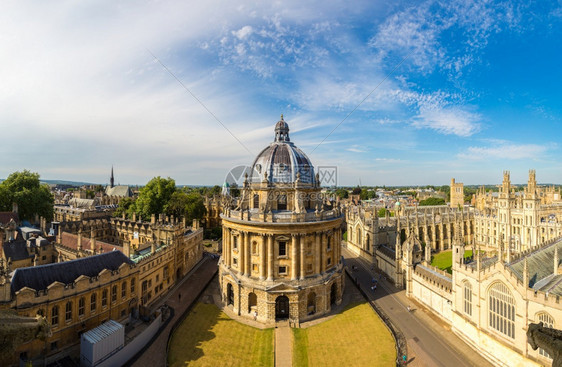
<point x="195" y="329"/>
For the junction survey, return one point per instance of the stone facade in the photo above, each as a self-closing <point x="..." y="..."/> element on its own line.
<point x="517" y="220"/>
<point x="374" y="238"/>
<point x="73" y="307"/>
<point x="281" y="242"/>
<point x="457" y="194"/>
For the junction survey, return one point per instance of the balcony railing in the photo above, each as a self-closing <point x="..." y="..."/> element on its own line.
<point x="281" y="216"/>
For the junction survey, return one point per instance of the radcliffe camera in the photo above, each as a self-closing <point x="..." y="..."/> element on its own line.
<point x="374" y="183"/>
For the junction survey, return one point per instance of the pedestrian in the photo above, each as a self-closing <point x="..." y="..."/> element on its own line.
<point x="255" y="315"/>
<point x="373" y="280"/>
<point x="409" y="309"/>
<point x="404" y="358"/>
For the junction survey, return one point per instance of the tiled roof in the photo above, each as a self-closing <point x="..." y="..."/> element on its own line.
<point x="540" y="264"/>
<point x="16" y="250"/>
<point x="119" y="190"/>
<point x="42" y="276"/>
<point x="6" y="216"/>
<point x="71" y="241"/>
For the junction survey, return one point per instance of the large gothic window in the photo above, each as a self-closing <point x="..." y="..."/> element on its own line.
<point x="501" y="310"/>
<point x="548" y="321"/>
<point x="467" y="292"/>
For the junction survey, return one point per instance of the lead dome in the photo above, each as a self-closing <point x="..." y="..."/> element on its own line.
<point x="282" y="162"/>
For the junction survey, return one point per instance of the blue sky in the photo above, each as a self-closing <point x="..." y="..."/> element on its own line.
<point x="471" y="88"/>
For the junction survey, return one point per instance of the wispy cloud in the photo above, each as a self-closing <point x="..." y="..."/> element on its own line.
<point x="448" y="120"/>
<point x="423" y="29"/>
<point x="507" y="150"/>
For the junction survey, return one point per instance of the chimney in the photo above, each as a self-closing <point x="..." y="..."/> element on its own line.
<point x="79" y="246"/>
<point x="153" y="219"/>
<point x="153" y="247"/>
<point x="134" y="217"/>
<point x="93" y="244"/>
<point x="126" y="248"/>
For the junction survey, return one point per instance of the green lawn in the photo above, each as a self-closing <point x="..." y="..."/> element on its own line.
<point x="356" y="337"/>
<point x="208" y="337"/>
<point x="444" y="260"/>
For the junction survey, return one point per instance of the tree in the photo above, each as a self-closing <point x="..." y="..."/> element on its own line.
<point x="124" y="206"/>
<point x="342" y="193"/>
<point x="189" y="205"/>
<point x="234" y="190"/>
<point x="25" y="190"/>
<point x="432" y="201"/>
<point x="154" y="197"/>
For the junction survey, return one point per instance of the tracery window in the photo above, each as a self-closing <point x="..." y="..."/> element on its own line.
<point x="467" y="292"/>
<point x="501" y="310"/>
<point x="548" y="321"/>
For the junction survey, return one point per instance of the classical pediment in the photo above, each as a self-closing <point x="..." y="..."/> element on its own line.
<point x="282" y="287"/>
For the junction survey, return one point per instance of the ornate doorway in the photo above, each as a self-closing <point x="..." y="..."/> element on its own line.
<point x="282" y="307"/>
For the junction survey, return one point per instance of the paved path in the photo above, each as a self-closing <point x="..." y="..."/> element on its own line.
<point x="283" y="345"/>
<point x="189" y="288"/>
<point x="430" y="340"/>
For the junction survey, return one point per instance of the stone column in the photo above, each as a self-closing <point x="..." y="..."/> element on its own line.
<point x="263" y="258"/>
<point x="226" y="248"/>
<point x="323" y="252"/>
<point x="294" y="254"/>
<point x="242" y="253"/>
<point x="302" y="257"/>
<point x="248" y="255"/>
<point x="270" y="257"/>
<point x="317" y="252"/>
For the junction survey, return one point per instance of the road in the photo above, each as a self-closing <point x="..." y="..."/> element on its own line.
<point x="430" y="341"/>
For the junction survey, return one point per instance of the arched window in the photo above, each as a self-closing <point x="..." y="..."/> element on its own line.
<point x="93" y="302"/>
<point x="55" y="315"/>
<point x="358" y="240"/>
<point x="501" y="310"/>
<point x="256" y="201"/>
<point x="252" y="302"/>
<point x="548" y="321"/>
<point x="68" y="311"/>
<point x="467" y="292"/>
<point x="114" y="293"/>
<point x="124" y="289"/>
<point x="132" y="285"/>
<point x="104" y="298"/>
<point x="311" y="303"/>
<point x="81" y="306"/>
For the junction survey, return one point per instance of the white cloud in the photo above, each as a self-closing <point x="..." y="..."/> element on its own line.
<point x="243" y="32"/>
<point x="448" y="121"/>
<point x="506" y="150"/>
<point x="421" y="31"/>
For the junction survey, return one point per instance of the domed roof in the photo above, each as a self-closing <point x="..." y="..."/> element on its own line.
<point x="282" y="161"/>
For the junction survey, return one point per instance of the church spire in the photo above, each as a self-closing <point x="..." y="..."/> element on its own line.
<point x="111" y="179"/>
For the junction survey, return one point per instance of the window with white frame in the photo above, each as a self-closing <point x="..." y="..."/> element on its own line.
<point x="467" y="292"/>
<point x="501" y="310"/>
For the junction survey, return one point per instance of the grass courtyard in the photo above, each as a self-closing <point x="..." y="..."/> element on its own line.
<point x="208" y="337"/>
<point x="356" y="337"/>
<point x="444" y="260"/>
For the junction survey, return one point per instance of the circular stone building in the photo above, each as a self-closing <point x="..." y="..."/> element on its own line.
<point x="281" y="240"/>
